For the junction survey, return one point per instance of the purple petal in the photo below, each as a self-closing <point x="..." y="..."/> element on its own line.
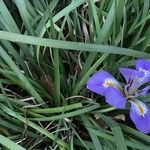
<point x="143" y="66"/>
<point x="143" y="63"/>
<point x="130" y="74"/>
<point x="140" y="115"/>
<point x="97" y="82"/>
<point x="144" y="91"/>
<point x="132" y="77"/>
<point x="115" y="98"/>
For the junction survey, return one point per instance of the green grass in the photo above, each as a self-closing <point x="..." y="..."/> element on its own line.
<point x="48" y="51"/>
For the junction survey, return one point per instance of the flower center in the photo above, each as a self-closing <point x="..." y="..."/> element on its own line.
<point x="129" y="91"/>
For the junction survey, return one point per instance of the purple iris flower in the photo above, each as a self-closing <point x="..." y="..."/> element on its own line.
<point x="105" y="84"/>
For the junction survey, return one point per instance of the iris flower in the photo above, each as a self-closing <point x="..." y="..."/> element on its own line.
<point x="103" y="83"/>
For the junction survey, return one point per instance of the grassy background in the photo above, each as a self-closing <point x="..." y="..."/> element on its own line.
<point x="48" y="50"/>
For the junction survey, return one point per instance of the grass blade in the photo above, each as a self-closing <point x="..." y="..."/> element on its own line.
<point x="20" y="75"/>
<point x="10" y="144"/>
<point x="71" y="45"/>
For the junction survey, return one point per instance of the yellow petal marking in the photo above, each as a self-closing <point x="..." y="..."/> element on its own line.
<point x="141" y="109"/>
<point x="109" y="83"/>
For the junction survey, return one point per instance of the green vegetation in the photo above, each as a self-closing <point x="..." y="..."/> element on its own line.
<point x="48" y="51"/>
